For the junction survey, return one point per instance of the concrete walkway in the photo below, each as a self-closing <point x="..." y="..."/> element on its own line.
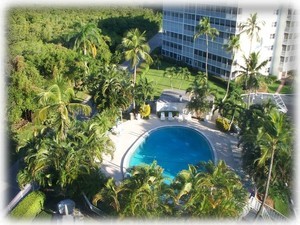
<point x="225" y="145"/>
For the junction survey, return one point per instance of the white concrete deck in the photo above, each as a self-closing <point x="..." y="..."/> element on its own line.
<point x="225" y="145"/>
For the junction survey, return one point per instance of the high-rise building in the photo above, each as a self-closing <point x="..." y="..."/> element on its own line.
<point x="276" y="41"/>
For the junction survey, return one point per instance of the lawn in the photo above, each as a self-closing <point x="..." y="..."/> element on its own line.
<point x="161" y="83"/>
<point x="286" y="89"/>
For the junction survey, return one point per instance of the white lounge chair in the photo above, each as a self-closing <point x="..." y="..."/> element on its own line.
<point x="188" y="117"/>
<point x="170" y="116"/>
<point x="162" y="116"/>
<point x="180" y="117"/>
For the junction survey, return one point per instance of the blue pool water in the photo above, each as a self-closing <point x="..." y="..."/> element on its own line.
<point x="174" y="148"/>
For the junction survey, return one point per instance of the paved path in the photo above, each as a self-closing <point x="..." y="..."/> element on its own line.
<point x="225" y="145"/>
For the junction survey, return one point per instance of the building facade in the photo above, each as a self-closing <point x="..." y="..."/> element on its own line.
<point x="276" y="42"/>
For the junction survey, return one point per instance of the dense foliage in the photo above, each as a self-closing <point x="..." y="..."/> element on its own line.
<point x="203" y="191"/>
<point x="44" y="42"/>
<point x="53" y="55"/>
<point x="266" y="138"/>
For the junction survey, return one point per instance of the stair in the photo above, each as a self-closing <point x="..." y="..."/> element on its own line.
<point x="279" y="102"/>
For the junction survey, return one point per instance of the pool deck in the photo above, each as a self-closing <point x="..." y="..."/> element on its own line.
<point x="225" y="145"/>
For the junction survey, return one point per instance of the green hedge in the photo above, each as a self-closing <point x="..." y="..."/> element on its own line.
<point x="30" y="206"/>
<point x="222" y="124"/>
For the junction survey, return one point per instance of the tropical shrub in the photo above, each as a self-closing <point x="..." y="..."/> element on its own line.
<point x="145" y="111"/>
<point x="30" y="206"/>
<point x="222" y="124"/>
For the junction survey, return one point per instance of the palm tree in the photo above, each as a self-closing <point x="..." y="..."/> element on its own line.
<point x="184" y="73"/>
<point x="231" y="107"/>
<point x="142" y="195"/>
<point x="250" y="72"/>
<point x="146" y="192"/>
<point x="136" y="49"/>
<point x="233" y="46"/>
<point x="170" y="72"/>
<point x="56" y="106"/>
<point x="209" y="190"/>
<point x="110" y="88"/>
<point x="144" y="90"/>
<point x="59" y="163"/>
<point x="199" y="93"/>
<point x="87" y="38"/>
<point x="273" y="137"/>
<point x="204" y="28"/>
<point x="108" y="198"/>
<point x="252" y="27"/>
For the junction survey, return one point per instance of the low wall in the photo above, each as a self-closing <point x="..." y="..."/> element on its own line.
<point x="170" y="106"/>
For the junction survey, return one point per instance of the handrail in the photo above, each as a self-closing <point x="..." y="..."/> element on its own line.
<point x="12" y="204"/>
<point x="92" y="207"/>
<point x="268" y="212"/>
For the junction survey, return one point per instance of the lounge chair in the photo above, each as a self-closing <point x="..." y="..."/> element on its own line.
<point x="162" y="116"/>
<point x="180" y="117"/>
<point x="188" y="117"/>
<point x="170" y="116"/>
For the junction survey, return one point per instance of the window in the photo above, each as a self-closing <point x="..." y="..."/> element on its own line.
<point x="274" y="24"/>
<point x="270" y="59"/>
<point x="272" y="36"/>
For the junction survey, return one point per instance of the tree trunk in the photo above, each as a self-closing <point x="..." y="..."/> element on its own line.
<point x="250" y="50"/>
<point x="267" y="185"/>
<point x="231" y="121"/>
<point x="248" y="101"/>
<point x="134" y="81"/>
<point x="206" y="57"/>
<point x="85" y="62"/>
<point x="228" y="82"/>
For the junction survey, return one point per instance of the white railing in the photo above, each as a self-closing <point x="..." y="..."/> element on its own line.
<point x="268" y="212"/>
<point x="275" y="97"/>
<point x="18" y="198"/>
<point x="280" y="103"/>
<point x="93" y="208"/>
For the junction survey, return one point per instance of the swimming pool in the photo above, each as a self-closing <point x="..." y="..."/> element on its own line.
<point x="173" y="147"/>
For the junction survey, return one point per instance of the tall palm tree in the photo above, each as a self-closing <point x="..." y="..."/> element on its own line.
<point x="204" y="28"/>
<point x="136" y="49"/>
<point x="233" y="46"/>
<point x="87" y="38"/>
<point x="273" y="137"/>
<point x="252" y="27"/>
<point x="250" y="73"/>
<point x="56" y="105"/>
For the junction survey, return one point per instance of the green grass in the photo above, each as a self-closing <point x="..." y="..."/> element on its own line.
<point x="286" y="89"/>
<point x="282" y="206"/>
<point x="161" y="83"/>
